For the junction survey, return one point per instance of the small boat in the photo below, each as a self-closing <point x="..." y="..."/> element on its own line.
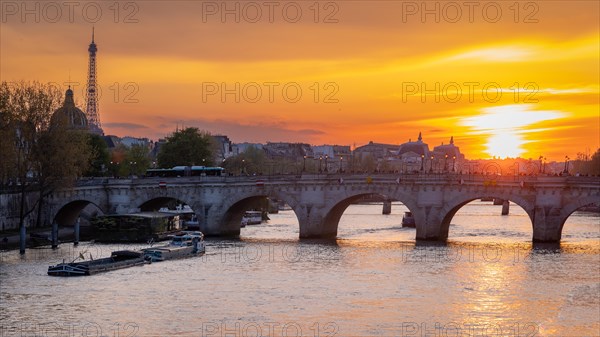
<point x="185" y="244"/>
<point x="251" y="218"/>
<point x="117" y="260"/>
<point x="193" y="223"/>
<point x="408" y="220"/>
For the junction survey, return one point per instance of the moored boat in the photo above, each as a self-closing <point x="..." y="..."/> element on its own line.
<point x="251" y="218"/>
<point x="117" y="260"/>
<point x="408" y="220"/>
<point x="185" y="244"/>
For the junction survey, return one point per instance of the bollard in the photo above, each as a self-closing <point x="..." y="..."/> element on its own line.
<point x="54" y="235"/>
<point x="22" y="239"/>
<point x="77" y="224"/>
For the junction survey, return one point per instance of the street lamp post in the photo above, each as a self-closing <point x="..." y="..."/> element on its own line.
<point x="132" y="167"/>
<point x="431" y="166"/>
<point x="566" y="164"/>
<point x="320" y="160"/>
<point x="341" y="164"/>
<point x="453" y="164"/>
<point x="304" y="164"/>
<point x="422" y="160"/>
<point x="544" y="166"/>
<point x="446" y="162"/>
<point x="326" y="157"/>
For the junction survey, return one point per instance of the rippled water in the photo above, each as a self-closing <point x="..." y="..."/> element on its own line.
<point x="489" y="280"/>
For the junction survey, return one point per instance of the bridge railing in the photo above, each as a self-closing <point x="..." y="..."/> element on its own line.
<point x="346" y="178"/>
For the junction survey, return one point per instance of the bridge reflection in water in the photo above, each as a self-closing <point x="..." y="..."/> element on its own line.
<point x="320" y="200"/>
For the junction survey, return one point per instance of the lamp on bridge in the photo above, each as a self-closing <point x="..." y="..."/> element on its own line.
<point x="341" y="164"/>
<point x="431" y="165"/>
<point x="320" y="160"/>
<point x="326" y="157"/>
<point x="446" y="162"/>
<point x="132" y="167"/>
<point x="304" y="164"/>
<point x="566" y="164"/>
<point x="453" y="163"/>
<point x="422" y="160"/>
<point x="544" y="166"/>
<point x="114" y="165"/>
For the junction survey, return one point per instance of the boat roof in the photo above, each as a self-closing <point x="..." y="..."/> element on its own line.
<point x="142" y="215"/>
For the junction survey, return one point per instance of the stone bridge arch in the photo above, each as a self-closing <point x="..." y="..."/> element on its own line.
<point x="65" y="206"/>
<point x="67" y="213"/>
<point x="453" y="205"/>
<point x="334" y="211"/>
<point x="572" y="207"/>
<point x="225" y="217"/>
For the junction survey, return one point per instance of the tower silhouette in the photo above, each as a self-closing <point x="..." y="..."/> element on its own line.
<point x="91" y="109"/>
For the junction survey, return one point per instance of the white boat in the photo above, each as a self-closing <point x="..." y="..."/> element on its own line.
<point x="186" y="244"/>
<point x="251" y="218"/>
<point x="193" y="223"/>
<point x="408" y="220"/>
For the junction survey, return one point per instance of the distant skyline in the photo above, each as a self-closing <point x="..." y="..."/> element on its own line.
<point x="162" y="64"/>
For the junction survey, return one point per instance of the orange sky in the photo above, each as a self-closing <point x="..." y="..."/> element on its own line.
<point x="384" y="71"/>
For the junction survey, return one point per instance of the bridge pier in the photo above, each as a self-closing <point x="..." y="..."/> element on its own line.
<point x="216" y="222"/>
<point x="429" y="224"/>
<point x="314" y="224"/>
<point x="505" y="207"/>
<point x="387" y="207"/>
<point x="547" y="224"/>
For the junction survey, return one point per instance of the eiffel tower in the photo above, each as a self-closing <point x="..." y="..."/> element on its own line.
<point x="91" y="108"/>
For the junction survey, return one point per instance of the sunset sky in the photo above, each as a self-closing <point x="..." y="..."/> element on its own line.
<point x="384" y="70"/>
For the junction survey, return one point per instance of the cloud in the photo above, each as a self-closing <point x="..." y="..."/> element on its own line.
<point x="124" y="126"/>
<point x="260" y="131"/>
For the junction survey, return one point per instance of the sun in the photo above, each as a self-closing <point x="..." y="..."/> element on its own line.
<point x="504" y="127"/>
<point x="505" y="145"/>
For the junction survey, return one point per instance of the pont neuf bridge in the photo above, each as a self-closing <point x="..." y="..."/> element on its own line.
<point x="320" y="200"/>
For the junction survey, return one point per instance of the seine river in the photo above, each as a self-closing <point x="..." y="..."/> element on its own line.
<point x="374" y="280"/>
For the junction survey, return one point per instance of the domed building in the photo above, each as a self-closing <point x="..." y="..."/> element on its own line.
<point x="448" y="156"/>
<point x="70" y="114"/>
<point x="413" y="154"/>
<point x="414" y="149"/>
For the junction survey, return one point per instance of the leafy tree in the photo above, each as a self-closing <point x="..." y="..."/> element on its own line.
<point x="117" y="165"/>
<point x="37" y="156"/>
<point x="251" y="161"/>
<point x="368" y="163"/>
<point x="137" y="159"/>
<point x="187" y="147"/>
<point x="584" y="164"/>
<point x="64" y="154"/>
<point x="99" y="156"/>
